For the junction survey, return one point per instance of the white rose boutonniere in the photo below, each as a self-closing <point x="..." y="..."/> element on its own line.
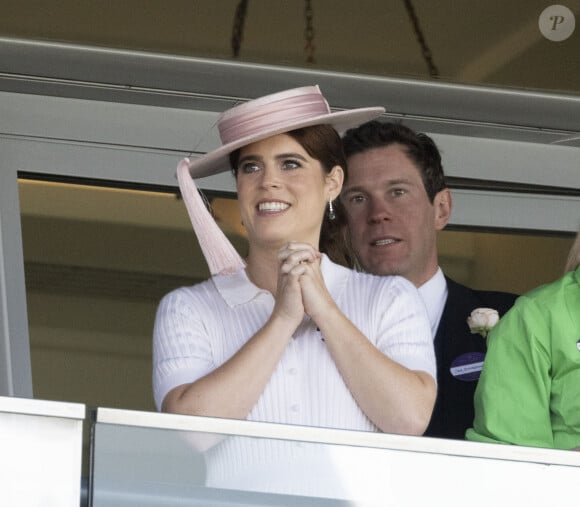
<point x="482" y="320"/>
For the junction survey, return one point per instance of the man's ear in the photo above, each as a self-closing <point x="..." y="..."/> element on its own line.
<point x="442" y="205"/>
<point x="334" y="180"/>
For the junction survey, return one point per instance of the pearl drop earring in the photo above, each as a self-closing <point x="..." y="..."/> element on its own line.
<point x="331" y="213"/>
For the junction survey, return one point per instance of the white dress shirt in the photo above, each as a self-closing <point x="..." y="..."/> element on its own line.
<point x="434" y="295"/>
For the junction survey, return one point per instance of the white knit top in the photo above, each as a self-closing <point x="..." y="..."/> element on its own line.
<point x="198" y="328"/>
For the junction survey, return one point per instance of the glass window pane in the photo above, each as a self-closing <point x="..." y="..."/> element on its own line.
<point x="503" y="260"/>
<point x="98" y="260"/>
<point x="167" y="460"/>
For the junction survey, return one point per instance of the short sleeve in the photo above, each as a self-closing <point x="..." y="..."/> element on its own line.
<point x="182" y="351"/>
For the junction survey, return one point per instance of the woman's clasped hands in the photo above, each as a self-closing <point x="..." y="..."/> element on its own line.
<point x="301" y="288"/>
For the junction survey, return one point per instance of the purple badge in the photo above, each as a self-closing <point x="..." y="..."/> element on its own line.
<point x="467" y="367"/>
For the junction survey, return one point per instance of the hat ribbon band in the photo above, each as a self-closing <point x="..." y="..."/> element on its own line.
<point x="270" y="117"/>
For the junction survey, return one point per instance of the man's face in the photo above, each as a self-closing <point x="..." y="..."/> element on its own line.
<point x="391" y="221"/>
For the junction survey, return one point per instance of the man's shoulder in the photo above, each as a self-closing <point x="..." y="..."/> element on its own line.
<point x="459" y="294"/>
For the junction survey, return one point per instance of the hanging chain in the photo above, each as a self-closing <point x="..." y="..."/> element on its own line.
<point x="433" y="71"/>
<point x="309" y="32"/>
<point x="238" y="28"/>
<point x="240" y="18"/>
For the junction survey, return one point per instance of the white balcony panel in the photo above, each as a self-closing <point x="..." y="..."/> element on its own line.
<point x="40" y="462"/>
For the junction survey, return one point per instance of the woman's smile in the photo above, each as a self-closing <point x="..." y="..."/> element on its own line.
<point x="270" y="207"/>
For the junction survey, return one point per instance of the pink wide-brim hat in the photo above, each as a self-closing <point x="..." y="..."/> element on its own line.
<point x="243" y="125"/>
<point x="271" y="115"/>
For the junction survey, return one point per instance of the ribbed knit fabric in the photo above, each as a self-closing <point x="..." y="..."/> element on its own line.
<point x="198" y="328"/>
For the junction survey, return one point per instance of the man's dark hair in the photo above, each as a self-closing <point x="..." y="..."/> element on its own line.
<point x="420" y="148"/>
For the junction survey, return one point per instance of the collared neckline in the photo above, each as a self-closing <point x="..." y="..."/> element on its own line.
<point x="237" y="289"/>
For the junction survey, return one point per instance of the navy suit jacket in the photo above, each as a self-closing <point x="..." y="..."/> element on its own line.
<point x="458" y="352"/>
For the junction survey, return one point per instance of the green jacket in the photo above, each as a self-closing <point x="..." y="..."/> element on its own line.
<point x="529" y="389"/>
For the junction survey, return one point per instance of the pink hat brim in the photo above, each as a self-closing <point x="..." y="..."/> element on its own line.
<point x="217" y="161"/>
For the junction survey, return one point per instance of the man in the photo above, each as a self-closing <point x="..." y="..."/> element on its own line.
<point x="395" y="200"/>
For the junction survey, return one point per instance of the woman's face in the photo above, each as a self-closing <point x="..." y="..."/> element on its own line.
<point x="283" y="191"/>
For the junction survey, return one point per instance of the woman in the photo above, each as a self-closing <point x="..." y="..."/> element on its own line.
<point x="529" y="390"/>
<point x="289" y="336"/>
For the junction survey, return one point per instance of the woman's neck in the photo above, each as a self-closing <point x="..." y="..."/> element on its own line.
<point x="262" y="269"/>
